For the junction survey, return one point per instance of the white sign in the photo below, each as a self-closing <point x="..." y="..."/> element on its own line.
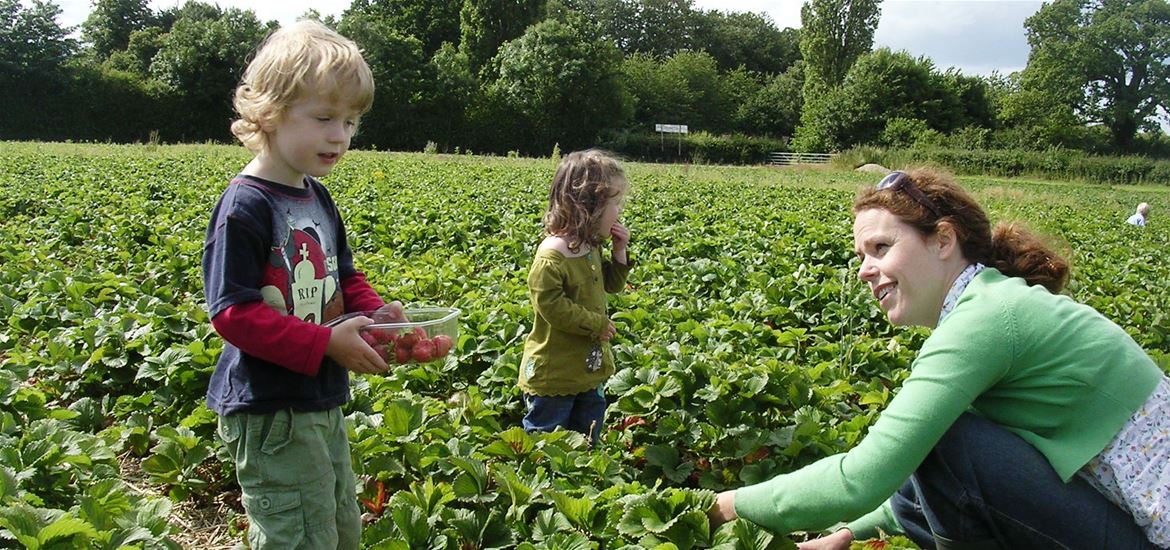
<point x="671" y="128"/>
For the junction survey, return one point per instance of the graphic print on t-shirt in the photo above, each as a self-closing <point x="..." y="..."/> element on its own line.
<point x="300" y="278"/>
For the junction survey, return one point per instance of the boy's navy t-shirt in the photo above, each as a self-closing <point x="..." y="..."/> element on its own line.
<point x="286" y="247"/>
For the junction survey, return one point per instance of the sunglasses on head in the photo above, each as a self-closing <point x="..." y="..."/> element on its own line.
<point x="900" y="181"/>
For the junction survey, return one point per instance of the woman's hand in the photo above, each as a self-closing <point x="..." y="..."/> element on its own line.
<point x="839" y="540"/>
<point x="723" y="510"/>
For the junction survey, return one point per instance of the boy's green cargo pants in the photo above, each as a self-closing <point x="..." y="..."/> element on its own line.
<point x="295" y="472"/>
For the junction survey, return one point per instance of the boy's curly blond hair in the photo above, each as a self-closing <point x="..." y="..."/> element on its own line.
<point x="303" y="59"/>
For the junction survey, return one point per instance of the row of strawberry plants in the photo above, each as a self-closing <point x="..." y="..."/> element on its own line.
<point x="746" y="346"/>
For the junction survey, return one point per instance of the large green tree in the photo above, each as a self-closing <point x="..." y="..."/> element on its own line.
<point x="1030" y="118"/>
<point x="111" y="23"/>
<point x="774" y="110"/>
<point x="200" y="63"/>
<point x="139" y="53"/>
<point x="431" y="21"/>
<point x="655" y="27"/>
<point x="455" y="89"/>
<point x="562" y="82"/>
<point x="401" y="76"/>
<point x="31" y="41"/>
<point x="748" y="40"/>
<point x="1106" y="60"/>
<point x="34" y="85"/>
<point x="834" y="33"/>
<point x="658" y="96"/>
<point x="685" y="88"/>
<point x="884" y="85"/>
<point x="484" y="25"/>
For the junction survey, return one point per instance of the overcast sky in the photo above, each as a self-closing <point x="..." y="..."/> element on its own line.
<point x="976" y="36"/>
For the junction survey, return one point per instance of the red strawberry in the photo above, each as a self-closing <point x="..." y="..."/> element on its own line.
<point x="401" y="354"/>
<point x="408" y="340"/>
<point x="385" y="336"/>
<point x="756" y="455"/>
<point x="423" y="351"/>
<point x="442" y="345"/>
<point x="420" y="332"/>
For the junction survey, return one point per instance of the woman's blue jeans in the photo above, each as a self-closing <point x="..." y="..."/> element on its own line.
<point x="583" y="412"/>
<point x="983" y="484"/>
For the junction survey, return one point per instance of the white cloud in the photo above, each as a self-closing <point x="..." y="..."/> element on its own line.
<point x="976" y="36"/>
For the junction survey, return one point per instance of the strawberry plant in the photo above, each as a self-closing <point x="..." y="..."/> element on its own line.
<point x="745" y="347"/>
<point x="176" y="462"/>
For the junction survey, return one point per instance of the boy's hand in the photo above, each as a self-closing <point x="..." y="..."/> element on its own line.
<point x="621" y="239"/>
<point x="609" y="332"/>
<point x="390" y="313"/>
<point x="350" y="351"/>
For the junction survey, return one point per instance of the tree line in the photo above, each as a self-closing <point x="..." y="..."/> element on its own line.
<point x="498" y="76"/>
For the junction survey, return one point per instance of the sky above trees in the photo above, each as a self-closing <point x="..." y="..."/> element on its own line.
<point x="975" y="36"/>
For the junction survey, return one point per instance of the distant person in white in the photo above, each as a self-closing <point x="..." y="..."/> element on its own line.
<point x="1139" y="217"/>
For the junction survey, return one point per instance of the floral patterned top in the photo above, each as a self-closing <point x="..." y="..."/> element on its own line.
<point x="1133" y="471"/>
<point x="958" y="287"/>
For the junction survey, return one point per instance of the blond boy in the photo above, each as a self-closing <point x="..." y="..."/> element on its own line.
<point x="276" y="268"/>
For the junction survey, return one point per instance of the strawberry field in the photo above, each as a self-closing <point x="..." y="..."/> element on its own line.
<point x="746" y="347"/>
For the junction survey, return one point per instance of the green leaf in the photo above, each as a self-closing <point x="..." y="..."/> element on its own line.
<point x="430" y="496"/>
<point x="8" y="484"/>
<point x="548" y="523"/>
<point x="568" y="541"/>
<point x="473" y="480"/>
<point x="66" y="527"/>
<point x="23" y="522"/>
<point x="519" y="492"/>
<point x="665" y="458"/>
<point x="104" y="503"/>
<point x="580" y="511"/>
<point x="403" y="419"/>
<point x="513" y="443"/>
<point x="411" y="523"/>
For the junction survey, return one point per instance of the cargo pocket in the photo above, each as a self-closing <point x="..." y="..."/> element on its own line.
<point x="229" y="429"/>
<point x="277" y="520"/>
<point x="280" y="432"/>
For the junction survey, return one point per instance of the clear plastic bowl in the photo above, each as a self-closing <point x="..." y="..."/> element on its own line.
<point x="430" y="335"/>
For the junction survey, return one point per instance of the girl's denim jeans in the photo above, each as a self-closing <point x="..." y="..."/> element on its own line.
<point x="983" y="484"/>
<point x="583" y="412"/>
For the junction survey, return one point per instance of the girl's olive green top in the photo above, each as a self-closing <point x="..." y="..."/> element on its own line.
<point x="564" y="354"/>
